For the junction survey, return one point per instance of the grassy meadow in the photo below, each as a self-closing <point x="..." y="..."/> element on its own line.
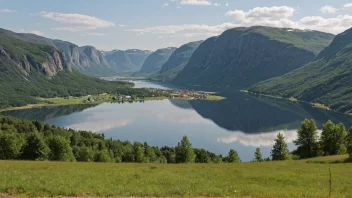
<point x="265" y="179"/>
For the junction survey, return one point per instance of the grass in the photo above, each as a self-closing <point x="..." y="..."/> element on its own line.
<point x="266" y="179"/>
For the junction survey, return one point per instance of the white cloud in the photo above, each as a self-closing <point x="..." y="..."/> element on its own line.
<point x="281" y="17"/>
<point x="121" y="25"/>
<point x="79" y="22"/>
<point x="262" y="14"/>
<point x="100" y="125"/>
<point x="257" y="140"/>
<point x="195" y="2"/>
<point x="187" y="29"/>
<point x="7" y="10"/>
<point x="217" y="4"/>
<point x="328" y="10"/>
<point x="37" y="32"/>
<point x="334" y="25"/>
<point x="348" y="5"/>
<point x="165" y="5"/>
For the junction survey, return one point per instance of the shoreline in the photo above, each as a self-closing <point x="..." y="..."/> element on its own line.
<point x="54" y="102"/>
<point x="292" y="99"/>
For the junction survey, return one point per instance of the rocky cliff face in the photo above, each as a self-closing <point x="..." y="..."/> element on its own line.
<point x="155" y="61"/>
<point x="240" y="57"/>
<point x="50" y="64"/>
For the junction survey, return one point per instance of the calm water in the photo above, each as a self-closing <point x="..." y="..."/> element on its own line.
<point x="241" y="122"/>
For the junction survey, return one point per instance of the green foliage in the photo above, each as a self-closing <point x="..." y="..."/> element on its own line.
<point x="36" y="148"/>
<point x="202" y="156"/>
<point x="258" y="157"/>
<point x="10" y="145"/>
<point x="333" y="138"/>
<point x="233" y="157"/>
<point x="349" y="142"/>
<point x="184" y="151"/>
<point x="307" y="138"/>
<point x="138" y="152"/>
<point x="280" y="150"/>
<point x="60" y="149"/>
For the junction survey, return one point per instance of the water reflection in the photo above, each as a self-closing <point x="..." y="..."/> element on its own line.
<point x="241" y="122"/>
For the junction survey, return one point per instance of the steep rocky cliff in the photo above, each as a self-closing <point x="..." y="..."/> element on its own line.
<point x="155" y="61"/>
<point x="241" y="57"/>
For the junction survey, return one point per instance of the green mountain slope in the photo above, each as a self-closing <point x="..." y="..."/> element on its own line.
<point x="156" y="60"/>
<point x="127" y="61"/>
<point x="241" y="57"/>
<point x="326" y="80"/>
<point x="177" y="61"/>
<point x="29" y="70"/>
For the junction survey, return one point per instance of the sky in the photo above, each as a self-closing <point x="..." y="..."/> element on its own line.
<point x="155" y="24"/>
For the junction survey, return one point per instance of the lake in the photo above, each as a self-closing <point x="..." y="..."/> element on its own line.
<point x="241" y="122"/>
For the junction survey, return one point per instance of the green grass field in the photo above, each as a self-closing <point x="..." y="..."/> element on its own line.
<point x="266" y="179"/>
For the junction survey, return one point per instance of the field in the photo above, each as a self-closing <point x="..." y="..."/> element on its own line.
<point x="266" y="179"/>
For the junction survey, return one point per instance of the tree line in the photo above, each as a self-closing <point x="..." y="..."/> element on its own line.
<point x="22" y="139"/>
<point x="333" y="140"/>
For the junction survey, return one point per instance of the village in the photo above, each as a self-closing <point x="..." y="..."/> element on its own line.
<point x="151" y="93"/>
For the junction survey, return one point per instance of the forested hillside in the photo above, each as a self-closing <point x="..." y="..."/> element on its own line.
<point x="326" y="80"/>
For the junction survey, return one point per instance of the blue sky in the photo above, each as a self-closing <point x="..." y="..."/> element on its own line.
<point x="153" y="24"/>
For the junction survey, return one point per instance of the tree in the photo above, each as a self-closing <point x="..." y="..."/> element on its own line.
<point x="10" y="145"/>
<point x="280" y="150"/>
<point x="184" y="151"/>
<point x="349" y="142"/>
<point x="102" y="156"/>
<point x="60" y="149"/>
<point x="85" y="155"/>
<point x="333" y="138"/>
<point x="258" y="155"/>
<point x="233" y="157"/>
<point x="138" y="152"/>
<point x="307" y="139"/>
<point x="35" y="148"/>
<point x="202" y="156"/>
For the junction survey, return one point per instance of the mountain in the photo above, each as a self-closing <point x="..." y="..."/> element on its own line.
<point x="90" y="61"/>
<point x="155" y="61"/>
<point x="327" y="79"/>
<point x="127" y="61"/>
<point x="177" y="61"/>
<point x="29" y="70"/>
<point x="241" y="57"/>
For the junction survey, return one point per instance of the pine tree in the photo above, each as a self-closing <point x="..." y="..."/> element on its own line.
<point x="307" y="139"/>
<point x="280" y="150"/>
<point x="258" y="155"/>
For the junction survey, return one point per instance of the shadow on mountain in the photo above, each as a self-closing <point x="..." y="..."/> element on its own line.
<point x="253" y="114"/>
<point x="44" y="113"/>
